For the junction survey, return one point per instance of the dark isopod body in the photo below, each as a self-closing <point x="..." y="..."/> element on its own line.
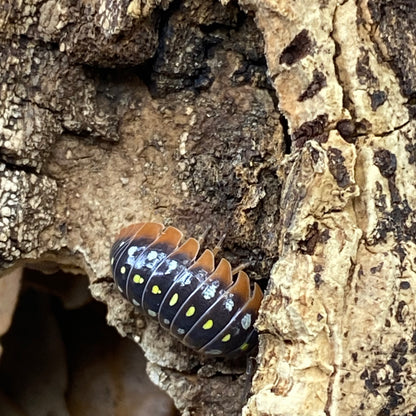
<point x="199" y="304"/>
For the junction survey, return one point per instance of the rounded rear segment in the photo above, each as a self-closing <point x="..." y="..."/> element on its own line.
<point x="239" y="335"/>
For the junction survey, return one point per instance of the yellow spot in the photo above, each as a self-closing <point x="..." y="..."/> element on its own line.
<point x="208" y="324"/>
<point x="138" y="279"/>
<point x="156" y="290"/>
<point x="244" y="346"/>
<point x="190" y="311"/>
<point x="226" y="338"/>
<point x="123" y="270"/>
<point x="173" y="299"/>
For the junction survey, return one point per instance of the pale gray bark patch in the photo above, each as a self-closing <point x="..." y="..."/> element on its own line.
<point x="27" y="208"/>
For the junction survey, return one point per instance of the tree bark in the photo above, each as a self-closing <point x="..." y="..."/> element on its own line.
<point x="287" y="125"/>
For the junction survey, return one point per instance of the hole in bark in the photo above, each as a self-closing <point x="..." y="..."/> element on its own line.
<point x="286" y="135"/>
<point x="60" y="357"/>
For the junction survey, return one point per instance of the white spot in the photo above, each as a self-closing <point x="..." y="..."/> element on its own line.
<point x="122" y="243"/>
<point x="134" y="302"/>
<point x="186" y="279"/>
<point x="152" y="255"/>
<point x="246" y="321"/>
<point x="152" y="313"/>
<point x="229" y="304"/>
<point x="112" y="260"/>
<point x="181" y="331"/>
<point x="166" y="321"/>
<point x="173" y="264"/>
<point x="136" y="339"/>
<point x="209" y="292"/>
<point x="119" y="288"/>
<point x="132" y="250"/>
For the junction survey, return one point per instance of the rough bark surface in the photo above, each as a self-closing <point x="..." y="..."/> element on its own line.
<point x="287" y="125"/>
<point x="339" y="317"/>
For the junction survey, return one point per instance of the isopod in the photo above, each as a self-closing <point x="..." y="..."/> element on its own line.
<point x="197" y="303"/>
